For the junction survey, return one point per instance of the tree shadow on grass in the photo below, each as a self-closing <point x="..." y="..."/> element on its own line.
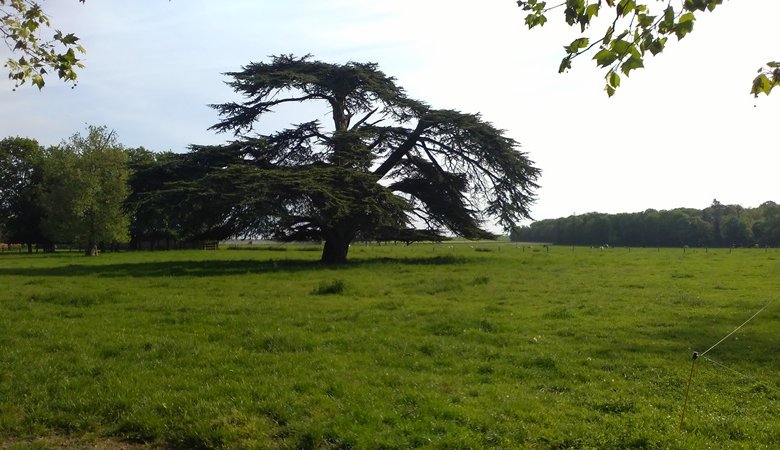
<point x="209" y="268"/>
<point x="755" y="343"/>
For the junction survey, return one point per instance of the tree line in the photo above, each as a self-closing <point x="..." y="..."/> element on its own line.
<point x="718" y="225"/>
<point x="92" y="192"/>
<point x="74" y="192"/>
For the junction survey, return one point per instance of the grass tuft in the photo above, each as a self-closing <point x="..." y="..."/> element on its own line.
<point x="74" y="299"/>
<point x="330" y="288"/>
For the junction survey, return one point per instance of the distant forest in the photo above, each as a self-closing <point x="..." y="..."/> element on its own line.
<point x="718" y="225"/>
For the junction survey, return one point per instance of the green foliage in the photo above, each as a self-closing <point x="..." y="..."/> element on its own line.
<point x="84" y="190"/>
<point x="155" y="219"/>
<point x="768" y="77"/>
<point x="26" y="30"/>
<point x="717" y="225"/>
<point x="405" y="235"/>
<point x="389" y="162"/>
<point x="638" y="27"/>
<point x="766" y="228"/>
<point x="229" y="349"/>
<point x="20" y="181"/>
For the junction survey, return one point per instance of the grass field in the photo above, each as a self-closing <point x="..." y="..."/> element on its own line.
<point x="481" y="346"/>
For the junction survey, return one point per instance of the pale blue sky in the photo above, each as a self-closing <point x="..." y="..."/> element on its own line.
<point x="679" y="133"/>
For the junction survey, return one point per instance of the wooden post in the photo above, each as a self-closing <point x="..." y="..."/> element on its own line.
<point x="688" y="389"/>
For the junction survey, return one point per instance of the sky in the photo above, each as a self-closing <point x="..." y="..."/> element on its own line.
<point x="679" y="133"/>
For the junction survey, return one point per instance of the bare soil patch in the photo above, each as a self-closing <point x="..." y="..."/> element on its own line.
<point x="67" y="443"/>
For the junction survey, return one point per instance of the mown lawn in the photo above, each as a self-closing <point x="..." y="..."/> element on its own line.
<point x="434" y="346"/>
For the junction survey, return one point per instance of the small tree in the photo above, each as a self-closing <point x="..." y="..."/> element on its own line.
<point x="85" y="186"/>
<point x="384" y="161"/>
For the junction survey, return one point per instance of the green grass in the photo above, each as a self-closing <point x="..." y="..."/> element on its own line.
<point x="434" y="346"/>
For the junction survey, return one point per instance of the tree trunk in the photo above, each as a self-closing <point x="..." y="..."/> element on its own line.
<point x="92" y="249"/>
<point x="335" y="251"/>
<point x="29" y="247"/>
<point x="337" y="246"/>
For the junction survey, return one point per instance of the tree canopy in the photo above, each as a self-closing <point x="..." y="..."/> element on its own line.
<point x="383" y="161"/>
<point x="85" y="184"/>
<point x="156" y="216"/>
<point x="26" y="30"/>
<point x="637" y="28"/>
<point x="20" y="177"/>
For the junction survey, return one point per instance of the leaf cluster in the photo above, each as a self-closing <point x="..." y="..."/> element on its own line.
<point x="636" y="29"/>
<point x="26" y="31"/>
<point x="768" y="77"/>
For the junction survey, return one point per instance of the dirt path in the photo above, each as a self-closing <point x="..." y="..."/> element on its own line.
<point x="62" y="443"/>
